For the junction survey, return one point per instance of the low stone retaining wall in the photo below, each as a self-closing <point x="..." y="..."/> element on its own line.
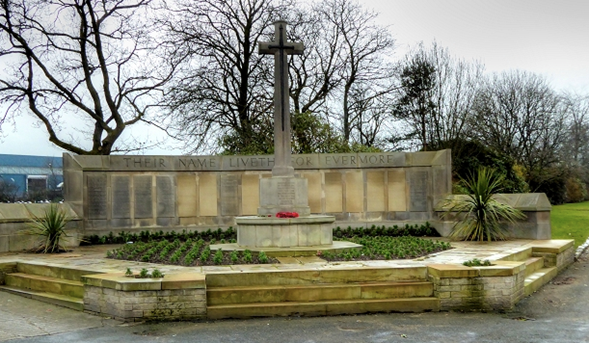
<point x="497" y="287"/>
<point x="17" y="218"/>
<point x="465" y="288"/>
<point x="174" y="297"/>
<point x="183" y="296"/>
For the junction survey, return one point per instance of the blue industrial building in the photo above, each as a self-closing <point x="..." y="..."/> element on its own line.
<point x="28" y="176"/>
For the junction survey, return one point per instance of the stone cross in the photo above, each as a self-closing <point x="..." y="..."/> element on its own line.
<point x="280" y="48"/>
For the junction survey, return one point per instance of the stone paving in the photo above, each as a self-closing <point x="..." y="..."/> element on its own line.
<point x="93" y="258"/>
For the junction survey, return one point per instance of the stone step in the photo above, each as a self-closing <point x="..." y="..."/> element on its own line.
<point x="45" y="284"/>
<point x="539" y="278"/>
<point x="317" y="292"/>
<point x="534" y="264"/>
<point x="521" y="255"/>
<point x="55" y="271"/>
<point x="51" y="298"/>
<point x="308" y="277"/>
<point x="323" y="308"/>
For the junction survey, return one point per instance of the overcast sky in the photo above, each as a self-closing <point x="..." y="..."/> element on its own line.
<point x="547" y="37"/>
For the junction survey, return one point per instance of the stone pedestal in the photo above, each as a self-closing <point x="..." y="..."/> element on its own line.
<point x="283" y="194"/>
<point x="259" y="232"/>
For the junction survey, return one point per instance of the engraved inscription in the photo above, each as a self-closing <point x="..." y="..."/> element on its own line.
<point x="418" y="191"/>
<point x="197" y="163"/>
<point x="143" y="196"/>
<point x="96" y="196"/>
<point x="286" y="193"/>
<point x="250" y="162"/>
<point x="166" y="196"/>
<point x="121" y="197"/>
<point x="145" y="162"/>
<point x="229" y="195"/>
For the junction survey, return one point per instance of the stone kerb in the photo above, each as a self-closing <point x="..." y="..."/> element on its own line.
<point x="174" y="297"/>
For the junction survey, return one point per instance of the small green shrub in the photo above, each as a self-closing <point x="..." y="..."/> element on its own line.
<point x="475" y="262"/>
<point x="247" y="256"/>
<point x="51" y="228"/>
<point x="218" y="258"/>
<point x="157" y="274"/>
<point x="234" y="256"/>
<point x="263" y="257"/>
<point x="144" y="273"/>
<point x="482" y="214"/>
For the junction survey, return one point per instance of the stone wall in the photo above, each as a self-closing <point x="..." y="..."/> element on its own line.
<point x="464" y="288"/>
<point x="175" y="297"/>
<point x="16" y="219"/>
<point x="114" y="193"/>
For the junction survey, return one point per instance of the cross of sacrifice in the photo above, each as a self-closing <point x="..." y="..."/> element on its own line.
<point x="280" y="48"/>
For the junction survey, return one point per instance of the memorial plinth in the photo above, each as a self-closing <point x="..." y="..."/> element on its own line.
<point x="283" y="192"/>
<point x="259" y="232"/>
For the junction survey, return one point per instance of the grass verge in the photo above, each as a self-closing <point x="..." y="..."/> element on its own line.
<point x="571" y="221"/>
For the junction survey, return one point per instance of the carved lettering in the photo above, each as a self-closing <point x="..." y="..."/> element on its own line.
<point x="418" y="191"/>
<point x="96" y="196"/>
<point x="286" y="193"/>
<point x="196" y="163"/>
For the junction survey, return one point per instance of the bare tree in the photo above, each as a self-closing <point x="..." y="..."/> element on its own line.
<point x="225" y="94"/>
<point x="415" y="103"/>
<point x="224" y="89"/>
<point x="575" y="151"/>
<point x="317" y="73"/>
<point x="519" y="113"/>
<point x="366" y="73"/>
<point x="92" y="64"/>
<point x="435" y="95"/>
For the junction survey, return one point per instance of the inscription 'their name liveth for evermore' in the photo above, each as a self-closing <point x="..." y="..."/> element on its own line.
<point x="227" y="163"/>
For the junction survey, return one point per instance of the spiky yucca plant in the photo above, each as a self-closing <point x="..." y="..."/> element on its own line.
<point x="482" y="214"/>
<point x="51" y="227"/>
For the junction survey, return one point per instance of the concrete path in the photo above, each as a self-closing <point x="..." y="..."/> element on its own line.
<point x="559" y="312"/>
<point x="22" y="318"/>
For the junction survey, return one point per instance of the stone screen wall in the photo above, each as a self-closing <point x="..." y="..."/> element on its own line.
<point x="114" y="193"/>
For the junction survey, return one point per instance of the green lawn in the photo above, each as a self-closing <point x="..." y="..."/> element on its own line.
<point x="571" y="221"/>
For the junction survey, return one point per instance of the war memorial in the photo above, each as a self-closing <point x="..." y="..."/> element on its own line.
<point x="105" y="194"/>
